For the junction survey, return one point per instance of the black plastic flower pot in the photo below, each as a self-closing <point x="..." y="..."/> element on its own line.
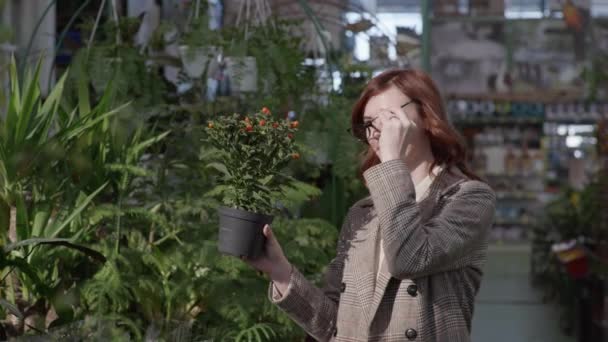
<point x="241" y="232"/>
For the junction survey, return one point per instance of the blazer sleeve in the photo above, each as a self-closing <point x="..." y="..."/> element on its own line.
<point x="414" y="249"/>
<point x="315" y="309"/>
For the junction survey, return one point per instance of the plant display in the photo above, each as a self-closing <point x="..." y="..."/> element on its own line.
<point x="573" y="216"/>
<point x="110" y="188"/>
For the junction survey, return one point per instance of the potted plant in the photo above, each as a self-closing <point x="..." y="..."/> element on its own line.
<point x="241" y="65"/>
<point x="243" y="72"/>
<point x="253" y="149"/>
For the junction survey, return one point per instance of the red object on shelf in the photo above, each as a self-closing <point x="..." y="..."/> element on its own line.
<point x="578" y="268"/>
<point x="574" y="258"/>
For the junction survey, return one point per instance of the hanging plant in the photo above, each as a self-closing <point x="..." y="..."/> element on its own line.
<point x="199" y="48"/>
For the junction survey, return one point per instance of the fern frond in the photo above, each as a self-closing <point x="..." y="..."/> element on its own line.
<point x="259" y="332"/>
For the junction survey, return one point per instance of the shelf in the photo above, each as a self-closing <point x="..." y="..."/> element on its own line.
<point x="545" y="96"/>
<point x="458" y="17"/>
<point x="510" y="121"/>
<point x="495" y="176"/>
<point x="516" y="195"/>
<point x="512" y="223"/>
<point x="574" y="121"/>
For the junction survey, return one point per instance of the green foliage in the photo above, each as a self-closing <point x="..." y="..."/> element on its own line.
<point x="254" y="151"/>
<point x="572" y="215"/>
<point x="42" y="224"/>
<point x="35" y="133"/>
<point x="132" y="75"/>
<point x="199" y="34"/>
<point x="109" y="182"/>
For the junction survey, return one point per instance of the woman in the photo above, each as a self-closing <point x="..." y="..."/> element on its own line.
<point x="409" y="257"/>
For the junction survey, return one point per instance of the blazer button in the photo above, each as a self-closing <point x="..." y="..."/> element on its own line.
<point x="342" y="287"/>
<point x="411" y="334"/>
<point x="412" y="290"/>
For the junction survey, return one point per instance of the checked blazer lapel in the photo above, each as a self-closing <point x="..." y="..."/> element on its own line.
<point x="363" y="262"/>
<point x="440" y="186"/>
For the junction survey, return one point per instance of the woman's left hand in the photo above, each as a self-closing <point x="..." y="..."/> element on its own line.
<point x="393" y="137"/>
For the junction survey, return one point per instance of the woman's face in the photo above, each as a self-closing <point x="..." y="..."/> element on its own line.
<point x="391" y="98"/>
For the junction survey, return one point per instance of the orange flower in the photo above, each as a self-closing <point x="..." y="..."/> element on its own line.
<point x="294" y="124"/>
<point x="249" y="128"/>
<point x="262" y="122"/>
<point x="266" y="111"/>
<point x="290" y="136"/>
<point x="295" y="156"/>
<point x="210" y="125"/>
<point x="275" y="124"/>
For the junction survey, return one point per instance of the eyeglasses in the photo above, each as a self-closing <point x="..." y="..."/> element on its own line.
<point x="361" y="131"/>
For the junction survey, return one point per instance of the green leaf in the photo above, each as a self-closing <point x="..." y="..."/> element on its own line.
<point x="266" y="179"/>
<point x="30" y="98"/>
<point x="21" y="265"/>
<point x="12" y="308"/>
<point x="145" y="144"/>
<point x="50" y="106"/>
<point x="56" y="242"/>
<point x="128" y="169"/>
<point x="14" y="106"/>
<point x="84" y="105"/>
<point x="218" y="190"/>
<point x="84" y="124"/>
<point x="41" y="218"/>
<point x="56" y="231"/>
<point x="221" y="168"/>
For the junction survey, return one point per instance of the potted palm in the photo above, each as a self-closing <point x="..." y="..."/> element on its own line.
<point x="254" y="150"/>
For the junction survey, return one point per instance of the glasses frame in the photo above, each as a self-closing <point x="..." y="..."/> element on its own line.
<point x="368" y="125"/>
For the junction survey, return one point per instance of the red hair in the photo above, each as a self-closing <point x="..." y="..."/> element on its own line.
<point x="447" y="145"/>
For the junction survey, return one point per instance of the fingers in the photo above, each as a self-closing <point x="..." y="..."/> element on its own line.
<point x="399" y="113"/>
<point x="385" y="115"/>
<point x="267" y="231"/>
<point x="270" y="236"/>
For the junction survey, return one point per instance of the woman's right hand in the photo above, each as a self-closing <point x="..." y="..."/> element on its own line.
<point x="273" y="261"/>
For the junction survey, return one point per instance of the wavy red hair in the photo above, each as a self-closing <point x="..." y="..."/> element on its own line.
<point x="447" y="145"/>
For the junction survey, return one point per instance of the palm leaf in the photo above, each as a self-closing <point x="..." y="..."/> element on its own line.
<point x="30" y="98"/>
<point x="55" y="242"/>
<point x="58" y="228"/>
<point x="145" y="144"/>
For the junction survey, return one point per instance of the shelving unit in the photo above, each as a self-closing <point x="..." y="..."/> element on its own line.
<point x="513" y="142"/>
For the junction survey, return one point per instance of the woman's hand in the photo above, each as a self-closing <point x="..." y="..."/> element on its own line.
<point x="273" y="261"/>
<point x="393" y="137"/>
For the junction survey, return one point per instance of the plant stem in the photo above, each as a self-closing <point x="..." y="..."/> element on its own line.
<point x="31" y="40"/>
<point x="63" y="34"/>
<point x="115" y="16"/>
<point x="103" y="4"/>
<point x="117" y="247"/>
<point x="12" y="225"/>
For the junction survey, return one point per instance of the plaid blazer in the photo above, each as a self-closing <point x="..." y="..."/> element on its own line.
<point x="427" y="282"/>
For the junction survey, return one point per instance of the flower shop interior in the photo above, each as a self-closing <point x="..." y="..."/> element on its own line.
<point x="112" y="164"/>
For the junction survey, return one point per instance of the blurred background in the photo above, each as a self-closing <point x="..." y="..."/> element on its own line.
<point x="108" y="211"/>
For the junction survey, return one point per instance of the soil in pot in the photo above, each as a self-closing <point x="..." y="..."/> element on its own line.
<point x="241" y="232"/>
